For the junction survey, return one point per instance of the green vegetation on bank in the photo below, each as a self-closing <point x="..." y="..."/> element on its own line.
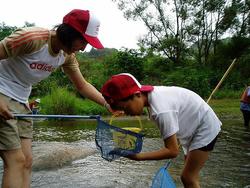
<point x="62" y="101"/>
<point x="226" y="107"/>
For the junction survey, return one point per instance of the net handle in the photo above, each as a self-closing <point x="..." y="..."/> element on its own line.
<point x="137" y="117"/>
<point x="56" y="116"/>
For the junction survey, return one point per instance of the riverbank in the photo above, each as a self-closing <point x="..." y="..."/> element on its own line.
<point x="226" y="108"/>
<point x="62" y="102"/>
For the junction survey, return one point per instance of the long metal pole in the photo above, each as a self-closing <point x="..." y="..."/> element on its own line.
<point x="56" y="116"/>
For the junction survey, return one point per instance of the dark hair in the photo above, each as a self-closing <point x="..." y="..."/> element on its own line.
<point x="127" y="98"/>
<point x="67" y="34"/>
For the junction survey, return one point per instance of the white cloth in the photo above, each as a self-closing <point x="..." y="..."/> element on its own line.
<point x="184" y="113"/>
<point x="18" y="74"/>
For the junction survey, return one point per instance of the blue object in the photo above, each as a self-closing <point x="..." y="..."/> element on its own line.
<point x="163" y="179"/>
<point x="114" y="142"/>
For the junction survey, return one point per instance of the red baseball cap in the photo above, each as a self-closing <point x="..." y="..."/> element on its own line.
<point x="86" y="23"/>
<point x="123" y="85"/>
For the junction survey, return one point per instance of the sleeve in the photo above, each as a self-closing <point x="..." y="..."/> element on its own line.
<point x="25" y="41"/>
<point x="71" y="64"/>
<point x="168" y="124"/>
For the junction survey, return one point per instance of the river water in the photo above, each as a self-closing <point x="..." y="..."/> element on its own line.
<point x="65" y="156"/>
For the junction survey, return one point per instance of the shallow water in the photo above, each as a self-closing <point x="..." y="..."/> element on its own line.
<point x="65" y="155"/>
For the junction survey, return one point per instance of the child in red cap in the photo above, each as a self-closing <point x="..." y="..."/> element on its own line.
<point x="179" y="113"/>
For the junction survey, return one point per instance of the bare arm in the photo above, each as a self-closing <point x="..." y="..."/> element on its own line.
<point x="86" y="89"/>
<point x="3" y="54"/>
<point x="170" y="150"/>
<point x="4" y="109"/>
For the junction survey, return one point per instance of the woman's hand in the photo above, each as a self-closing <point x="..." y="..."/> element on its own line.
<point x="115" y="113"/>
<point x="4" y="111"/>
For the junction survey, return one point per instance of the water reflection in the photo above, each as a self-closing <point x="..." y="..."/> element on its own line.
<point x="77" y="163"/>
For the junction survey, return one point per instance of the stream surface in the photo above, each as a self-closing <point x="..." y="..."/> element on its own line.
<point x="65" y="156"/>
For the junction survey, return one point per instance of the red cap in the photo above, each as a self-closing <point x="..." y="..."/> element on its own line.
<point x="123" y="85"/>
<point x="86" y="23"/>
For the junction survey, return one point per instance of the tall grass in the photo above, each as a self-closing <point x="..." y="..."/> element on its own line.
<point x="61" y="101"/>
<point x="228" y="94"/>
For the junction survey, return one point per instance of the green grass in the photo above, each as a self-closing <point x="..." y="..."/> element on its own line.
<point x="61" y="101"/>
<point x="226" y="107"/>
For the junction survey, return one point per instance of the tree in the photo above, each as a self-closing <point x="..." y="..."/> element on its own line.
<point x="5" y="30"/>
<point x="165" y="22"/>
<point x="179" y="29"/>
<point x="124" y="61"/>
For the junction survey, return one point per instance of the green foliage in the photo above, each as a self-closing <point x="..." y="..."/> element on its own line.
<point x="92" y="69"/>
<point x="194" y="79"/>
<point x="226" y="107"/>
<point x="5" y="30"/>
<point x="155" y="69"/>
<point x="56" y="79"/>
<point x="90" y="108"/>
<point x="60" y="101"/>
<point x="124" y="61"/>
<point x="228" y="94"/>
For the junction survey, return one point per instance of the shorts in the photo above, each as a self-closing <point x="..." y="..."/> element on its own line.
<point x="12" y="130"/>
<point x="210" y="146"/>
<point x="205" y="136"/>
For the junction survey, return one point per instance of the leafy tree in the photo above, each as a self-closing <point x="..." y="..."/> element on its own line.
<point x="165" y="21"/>
<point x="124" y="61"/>
<point x="176" y="25"/>
<point x="5" y="30"/>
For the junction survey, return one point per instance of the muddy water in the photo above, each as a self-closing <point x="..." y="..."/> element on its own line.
<point x="65" y="156"/>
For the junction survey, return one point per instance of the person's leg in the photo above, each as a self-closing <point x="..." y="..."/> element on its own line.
<point x="246" y="117"/>
<point x="27" y="151"/>
<point x="18" y="166"/>
<point x="195" y="160"/>
<point x="14" y="162"/>
<point x="14" y="149"/>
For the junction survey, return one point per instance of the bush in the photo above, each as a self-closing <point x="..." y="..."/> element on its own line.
<point x="60" y="101"/>
<point x="194" y="79"/>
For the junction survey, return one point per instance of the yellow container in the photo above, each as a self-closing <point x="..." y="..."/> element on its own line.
<point x="126" y="141"/>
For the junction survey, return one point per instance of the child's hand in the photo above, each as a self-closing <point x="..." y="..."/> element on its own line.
<point x="135" y="157"/>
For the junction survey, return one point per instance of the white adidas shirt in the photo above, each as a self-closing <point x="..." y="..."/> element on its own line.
<point x="184" y="113"/>
<point x="30" y="60"/>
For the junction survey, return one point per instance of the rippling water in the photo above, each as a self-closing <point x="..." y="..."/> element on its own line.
<point x="65" y="156"/>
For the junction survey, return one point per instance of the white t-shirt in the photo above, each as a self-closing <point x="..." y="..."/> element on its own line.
<point x="182" y="112"/>
<point x="30" y="60"/>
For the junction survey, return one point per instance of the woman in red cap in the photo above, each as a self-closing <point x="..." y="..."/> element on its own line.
<point x="28" y="56"/>
<point x="180" y="114"/>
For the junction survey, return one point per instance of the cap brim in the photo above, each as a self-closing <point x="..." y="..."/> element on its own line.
<point x="93" y="41"/>
<point x="146" y="88"/>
